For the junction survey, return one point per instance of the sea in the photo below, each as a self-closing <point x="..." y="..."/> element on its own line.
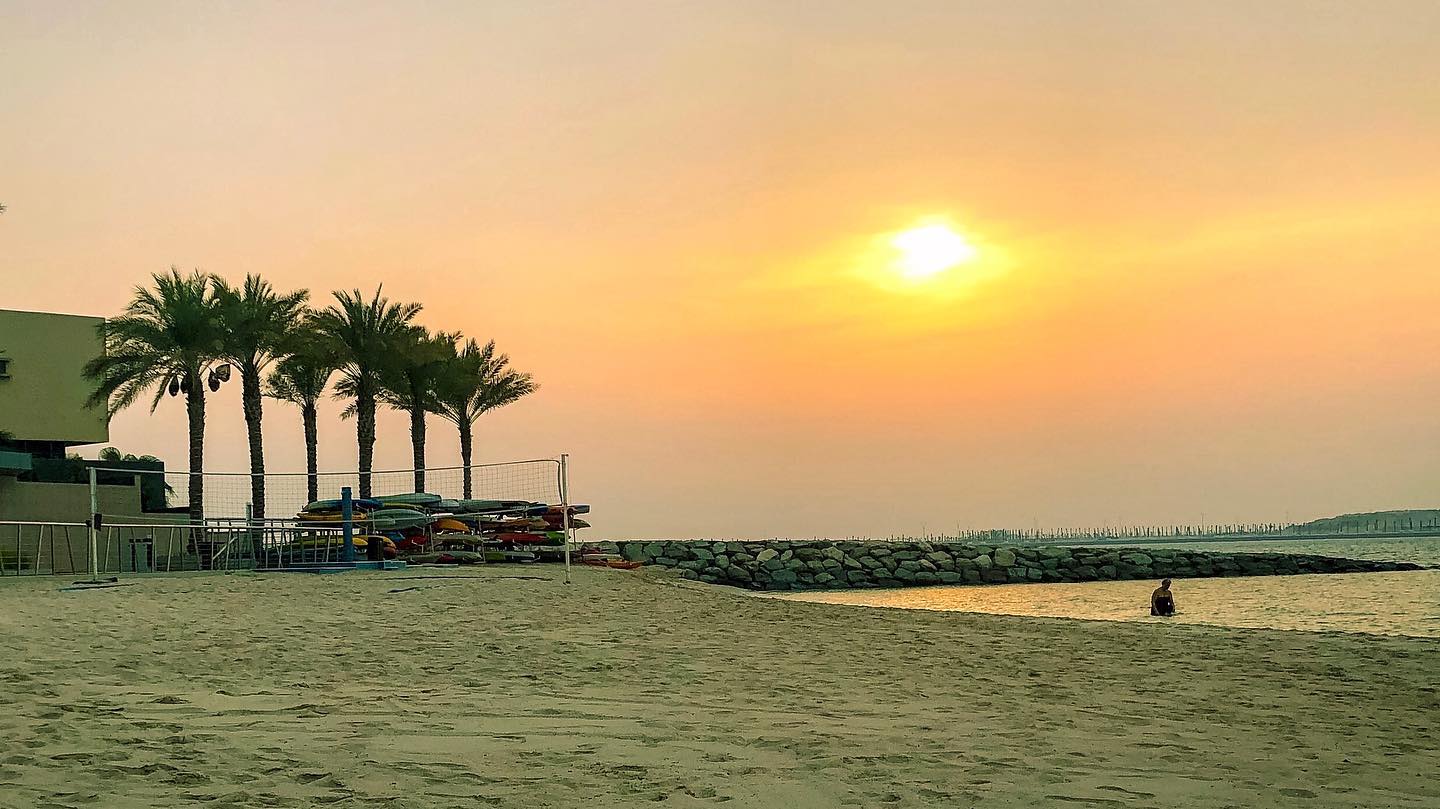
<point x="1404" y="603"/>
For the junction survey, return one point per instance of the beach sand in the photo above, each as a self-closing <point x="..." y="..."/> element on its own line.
<point x="626" y="689"/>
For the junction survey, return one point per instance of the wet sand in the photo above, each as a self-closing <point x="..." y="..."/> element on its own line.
<point x="626" y="689"/>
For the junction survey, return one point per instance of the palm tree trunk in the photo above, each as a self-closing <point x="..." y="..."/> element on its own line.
<point x="466" y="440"/>
<point x="312" y="440"/>
<point x="365" y="433"/>
<point x="250" y="402"/>
<point x="417" y="445"/>
<point x="195" y="417"/>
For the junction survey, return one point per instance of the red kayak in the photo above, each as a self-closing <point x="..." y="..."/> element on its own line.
<point x="524" y="539"/>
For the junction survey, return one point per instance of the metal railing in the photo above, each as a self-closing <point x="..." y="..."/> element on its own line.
<point x="55" y="548"/>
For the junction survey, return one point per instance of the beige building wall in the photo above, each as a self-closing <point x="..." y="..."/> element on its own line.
<point x="43" y="398"/>
<point x="64" y="502"/>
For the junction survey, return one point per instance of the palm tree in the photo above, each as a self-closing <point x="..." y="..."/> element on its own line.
<point x="167" y="339"/>
<point x="362" y="335"/>
<point x="477" y="381"/>
<point x="301" y="379"/>
<point x="408" y="384"/>
<point x="259" y="327"/>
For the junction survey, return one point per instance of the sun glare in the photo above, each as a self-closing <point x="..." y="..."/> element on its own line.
<point x="924" y="252"/>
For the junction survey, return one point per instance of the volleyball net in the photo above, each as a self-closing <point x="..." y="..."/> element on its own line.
<point x="279" y="496"/>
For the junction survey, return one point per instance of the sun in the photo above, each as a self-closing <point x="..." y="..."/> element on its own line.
<point x="926" y="251"/>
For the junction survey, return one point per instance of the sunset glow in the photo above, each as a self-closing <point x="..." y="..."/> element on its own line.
<point x="926" y="251"/>
<point x="782" y="269"/>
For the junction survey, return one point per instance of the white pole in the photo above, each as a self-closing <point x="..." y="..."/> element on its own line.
<point x="565" y="507"/>
<point x="94" y="530"/>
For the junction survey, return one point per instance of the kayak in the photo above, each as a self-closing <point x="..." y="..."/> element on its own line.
<point x="509" y="556"/>
<point x="336" y="505"/>
<point x="463" y="540"/>
<point x="524" y="539"/>
<point x="409" y="498"/>
<point x="619" y="564"/>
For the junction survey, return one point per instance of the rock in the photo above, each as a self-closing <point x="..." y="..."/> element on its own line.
<point x="1138" y="559"/>
<point x="983" y="562"/>
<point x="971" y="575"/>
<point x="871" y="563"/>
<point x="633" y="552"/>
<point x="652" y="549"/>
<point x="926" y="577"/>
<point x="1055" y="553"/>
<point x="1107" y="571"/>
<point x="949" y="577"/>
<point x="703" y="554"/>
<point x="713" y="572"/>
<point x="904" y="573"/>
<point x="1004" y="557"/>
<point x="766" y="555"/>
<point x="741" y="558"/>
<point x="995" y="575"/>
<point x="910" y="565"/>
<point x="737" y="573"/>
<point x="783" y="576"/>
<point x="722" y="561"/>
<point x="665" y="561"/>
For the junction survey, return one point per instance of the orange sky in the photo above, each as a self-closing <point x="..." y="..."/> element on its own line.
<point x="1209" y="238"/>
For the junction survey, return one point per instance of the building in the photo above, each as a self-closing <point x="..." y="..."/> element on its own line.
<point x="43" y="389"/>
<point x="45" y="413"/>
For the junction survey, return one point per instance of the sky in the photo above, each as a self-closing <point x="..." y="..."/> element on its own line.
<point x="1206" y="235"/>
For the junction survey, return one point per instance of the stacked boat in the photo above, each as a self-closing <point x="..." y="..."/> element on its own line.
<point x="427" y="528"/>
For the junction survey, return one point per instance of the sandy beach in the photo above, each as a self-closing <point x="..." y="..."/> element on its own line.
<point x="627" y="689"/>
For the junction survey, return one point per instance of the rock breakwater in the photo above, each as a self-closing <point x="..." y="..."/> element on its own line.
<point x="827" y="565"/>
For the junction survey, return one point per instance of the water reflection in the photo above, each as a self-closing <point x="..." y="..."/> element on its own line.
<point x="1381" y="603"/>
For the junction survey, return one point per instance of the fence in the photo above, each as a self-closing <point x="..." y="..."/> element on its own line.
<point x="230" y="535"/>
<point x="35" y="548"/>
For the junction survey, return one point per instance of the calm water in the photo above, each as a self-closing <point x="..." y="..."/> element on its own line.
<point x="1378" y="603"/>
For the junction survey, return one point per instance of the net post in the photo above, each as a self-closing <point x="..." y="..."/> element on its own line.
<point x="94" y="522"/>
<point x="347" y="528"/>
<point x="565" y="508"/>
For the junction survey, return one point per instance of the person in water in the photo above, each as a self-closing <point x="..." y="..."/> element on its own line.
<point x="1162" y="601"/>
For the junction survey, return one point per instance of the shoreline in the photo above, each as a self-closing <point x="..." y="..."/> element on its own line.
<point x="1041" y="606"/>
<point x="623" y="688"/>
